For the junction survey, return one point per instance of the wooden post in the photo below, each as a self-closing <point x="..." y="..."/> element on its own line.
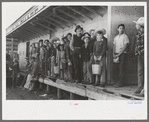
<point x="48" y="88"/>
<point x="12" y="47"/>
<point x="72" y="96"/>
<point x="59" y="93"/>
<point x="109" y="45"/>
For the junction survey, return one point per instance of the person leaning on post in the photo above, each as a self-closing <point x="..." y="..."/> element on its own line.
<point x="120" y="44"/>
<point x="99" y="51"/>
<point x="75" y="46"/>
<point x="139" y="51"/>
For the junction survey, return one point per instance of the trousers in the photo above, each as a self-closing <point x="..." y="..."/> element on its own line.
<point x="119" y="69"/>
<point x="140" y="72"/>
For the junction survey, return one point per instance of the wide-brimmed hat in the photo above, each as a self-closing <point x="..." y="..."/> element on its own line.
<point x="40" y="40"/>
<point x="69" y="34"/>
<point x="46" y="40"/>
<point x="91" y="30"/>
<point x="54" y="40"/>
<point x="86" y="35"/>
<point x="77" y="27"/>
<point x="100" y="30"/>
<point x="140" y="21"/>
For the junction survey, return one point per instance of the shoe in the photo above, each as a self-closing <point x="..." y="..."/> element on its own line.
<point x="137" y="91"/>
<point x="140" y="95"/>
<point x="76" y="81"/>
<point x="91" y="83"/>
<point x="102" y="85"/>
<point x="118" y="85"/>
<point x="83" y="82"/>
<point x="96" y="84"/>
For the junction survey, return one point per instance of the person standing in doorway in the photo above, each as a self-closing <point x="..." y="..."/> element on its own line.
<point x="120" y="44"/>
<point x="139" y="51"/>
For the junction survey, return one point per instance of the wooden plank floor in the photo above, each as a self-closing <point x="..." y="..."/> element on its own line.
<point x="94" y="92"/>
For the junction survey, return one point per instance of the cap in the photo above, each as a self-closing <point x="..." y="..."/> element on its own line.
<point x="140" y="21"/>
<point x="77" y="27"/>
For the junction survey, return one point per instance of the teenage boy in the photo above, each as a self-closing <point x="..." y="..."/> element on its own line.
<point x="119" y="52"/>
<point x="140" y="53"/>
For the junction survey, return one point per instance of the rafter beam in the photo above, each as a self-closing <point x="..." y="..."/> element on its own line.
<point x="28" y="29"/>
<point x="70" y="15"/>
<point x="52" y="23"/>
<point x="30" y="32"/>
<point x="103" y="7"/>
<point x="38" y="29"/>
<point x="22" y="36"/>
<point x="76" y="11"/>
<point x="50" y="18"/>
<point x="25" y="35"/>
<point x="62" y="18"/>
<point x="93" y="11"/>
<point x="45" y="27"/>
<point x="20" y="33"/>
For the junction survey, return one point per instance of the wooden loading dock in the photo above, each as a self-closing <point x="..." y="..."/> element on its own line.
<point x="45" y="22"/>
<point x="89" y="91"/>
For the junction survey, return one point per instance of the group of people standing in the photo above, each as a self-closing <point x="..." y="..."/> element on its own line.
<point x="71" y="57"/>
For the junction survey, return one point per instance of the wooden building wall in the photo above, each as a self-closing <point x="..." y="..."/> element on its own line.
<point x="126" y="15"/>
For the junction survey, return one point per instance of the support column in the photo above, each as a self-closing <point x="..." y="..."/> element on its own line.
<point x="109" y="53"/>
<point x="59" y="93"/>
<point x="12" y="48"/>
<point x="72" y="96"/>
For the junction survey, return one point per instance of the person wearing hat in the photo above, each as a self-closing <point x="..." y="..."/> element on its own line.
<point x="99" y="51"/>
<point x="42" y="57"/>
<point x="69" y="69"/>
<point x="61" y="60"/>
<point x="47" y="58"/>
<point x="33" y="50"/>
<point x="120" y="44"/>
<point x="139" y="51"/>
<point x="37" y="50"/>
<point x="54" y="49"/>
<point x="75" y="46"/>
<point x="85" y="56"/>
<point x="15" y="72"/>
<point x="28" y="70"/>
<point x="33" y="73"/>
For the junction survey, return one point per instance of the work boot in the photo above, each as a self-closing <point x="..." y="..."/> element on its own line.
<point x="141" y="94"/>
<point x="137" y="91"/>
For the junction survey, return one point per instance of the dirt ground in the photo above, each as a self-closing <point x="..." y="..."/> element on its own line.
<point x="19" y="94"/>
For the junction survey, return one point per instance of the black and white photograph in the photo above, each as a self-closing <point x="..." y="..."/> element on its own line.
<point x="76" y="54"/>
